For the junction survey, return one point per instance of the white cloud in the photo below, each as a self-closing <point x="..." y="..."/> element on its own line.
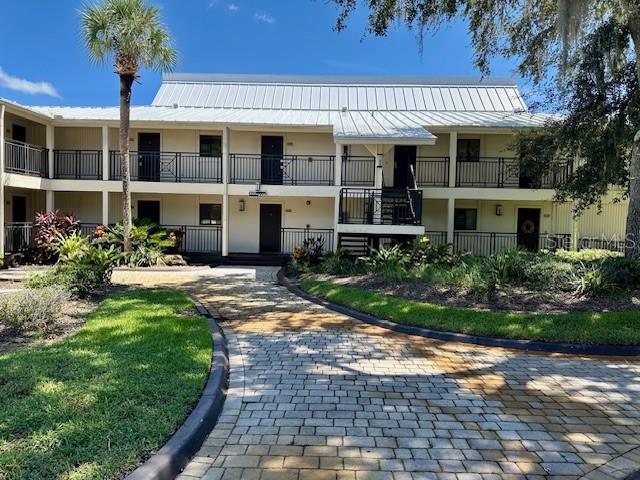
<point x="264" y="17"/>
<point x="26" y="86"/>
<point x="232" y="7"/>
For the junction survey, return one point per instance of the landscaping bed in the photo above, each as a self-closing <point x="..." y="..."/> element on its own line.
<point x="98" y="403"/>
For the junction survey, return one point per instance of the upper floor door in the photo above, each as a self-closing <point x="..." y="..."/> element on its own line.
<point x="271" y="160"/>
<point x="148" y="157"/>
<point x="404" y="160"/>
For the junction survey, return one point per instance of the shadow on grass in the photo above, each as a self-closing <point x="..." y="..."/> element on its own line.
<point x="93" y="405"/>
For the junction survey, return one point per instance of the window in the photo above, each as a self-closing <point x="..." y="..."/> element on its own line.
<point x="210" y="214"/>
<point x="469" y="150"/>
<point x="210" y="145"/>
<point x="465" y="219"/>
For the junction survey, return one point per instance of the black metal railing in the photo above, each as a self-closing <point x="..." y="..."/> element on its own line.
<point x="177" y="167"/>
<point x="88" y="229"/>
<point x="294" y="237"/>
<point x="358" y="171"/>
<point x="432" y="171"/>
<point x="437" y="238"/>
<point x="197" y="238"/>
<point x="77" y="164"/>
<point x="18" y="236"/>
<point x="506" y="173"/>
<point x="282" y="169"/>
<point x="489" y="243"/>
<point x="26" y="159"/>
<point x="615" y="244"/>
<point x="380" y="206"/>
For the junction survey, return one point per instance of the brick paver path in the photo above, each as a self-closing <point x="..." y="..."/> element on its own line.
<point x="317" y="395"/>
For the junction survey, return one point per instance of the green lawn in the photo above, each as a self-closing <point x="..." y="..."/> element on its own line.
<point x="93" y="405"/>
<point x="584" y="328"/>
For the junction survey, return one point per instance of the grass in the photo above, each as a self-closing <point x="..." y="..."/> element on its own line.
<point x="610" y="328"/>
<point x="95" y="404"/>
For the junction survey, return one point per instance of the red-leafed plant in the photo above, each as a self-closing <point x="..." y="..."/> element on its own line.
<point x="48" y="227"/>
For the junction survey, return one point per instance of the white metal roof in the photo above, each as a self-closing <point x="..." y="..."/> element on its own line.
<point x="338" y="93"/>
<point x="356" y="109"/>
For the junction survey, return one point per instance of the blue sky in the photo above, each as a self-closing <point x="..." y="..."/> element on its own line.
<point x="48" y="64"/>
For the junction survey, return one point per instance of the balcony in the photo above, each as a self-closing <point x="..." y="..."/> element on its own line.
<point x="358" y="171"/>
<point x="26" y="159"/>
<point x="489" y="243"/>
<point x="176" y="167"/>
<point x="432" y="171"/>
<point x="282" y="169"/>
<point x="77" y="164"/>
<point x="294" y="237"/>
<point x="380" y="206"/>
<point x="505" y="173"/>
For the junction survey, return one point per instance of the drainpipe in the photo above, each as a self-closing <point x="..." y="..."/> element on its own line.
<point x="105" y="153"/>
<point x="336" y="200"/>
<point x="50" y="144"/>
<point x="2" y="179"/>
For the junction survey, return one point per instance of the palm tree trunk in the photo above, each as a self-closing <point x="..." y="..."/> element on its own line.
<point x="126" y="82"/>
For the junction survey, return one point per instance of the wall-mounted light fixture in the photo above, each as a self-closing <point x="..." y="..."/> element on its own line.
<point x="498" y="210"/>
<point x="241" y="205"/>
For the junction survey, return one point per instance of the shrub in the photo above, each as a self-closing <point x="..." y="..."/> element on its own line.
<point x="70" y="248"/>
<point x="150" y="242"/>
<point x="300" y="256"/>
<point x="591" y="279"/>
<point x="145" y="256"/>
<point x="509" y="266"/>
<point x="39" y="309"/>
<point x="315" y="249"/>
<point x="78" y="279"/>
<point x="340" y="263"/>
<point x="423" y="251"/>
<point x="587" y="255"/>
<point x="390" y="262"/>
<point x="49" y="226"/>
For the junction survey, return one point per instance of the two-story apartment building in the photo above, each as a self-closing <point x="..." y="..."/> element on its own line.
<point x="257" y="163"/>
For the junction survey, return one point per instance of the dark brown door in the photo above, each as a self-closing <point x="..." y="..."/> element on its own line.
<point x="529" y="228"/>
<point x="271" y="160"/>
<point x="148" y="157"/>
<point x="19" y="133"/>
<point x="19" y="209"/>
<point x="270" y="225"/>
<point x="149" y="211"/>
<point x="404" y="160"/>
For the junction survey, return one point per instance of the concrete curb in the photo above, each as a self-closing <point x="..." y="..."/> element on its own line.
<point x="171" y="459"/>
<point x="527" y="345"/>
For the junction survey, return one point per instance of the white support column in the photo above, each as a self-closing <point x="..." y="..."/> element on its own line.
<point x="451" y="210"/>
<point x="338" y="165"/>
<point x="50" y="144"/>
<point x="49" y="201"/>
<point x="105" y="153"/>
<point x="575" y="232"/>
<point x="379" y="179"/>
<point x="225" y="199"/>
<point x="105" y="207"/>
<point x="453" y="157"/>
<point x="2" y="232"/>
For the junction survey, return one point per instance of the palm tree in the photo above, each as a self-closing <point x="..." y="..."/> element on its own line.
<point x="130" y="34"/>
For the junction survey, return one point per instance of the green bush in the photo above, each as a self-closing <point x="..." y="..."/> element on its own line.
<point x="39" y="309"/>
<point x="591" y="279"/>
<point x="340" y="263"/>
<point x="587" y="255"/>
<point x="389" y="262"/>
<point x="423" y="251"/>
<point x="71" y="247"/>
<point x="149" y="241"/>
<point x="78" y="279"/>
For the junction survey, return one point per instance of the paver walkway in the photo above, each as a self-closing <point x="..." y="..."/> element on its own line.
<point x="317" y="395"/>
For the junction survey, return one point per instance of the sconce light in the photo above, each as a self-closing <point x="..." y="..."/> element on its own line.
<point x="241" y="205"/>
<point x="498" y="210"/>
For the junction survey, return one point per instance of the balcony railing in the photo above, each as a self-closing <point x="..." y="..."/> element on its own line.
<point x="377" y="206"/>
<point x="206" y="239"/>
<point x="506" y="173"/>
<point x="26" y="159"/>
<point x="294" y="237"/>
<point x="77" y="164"/>
<point x="358" y="171"/>
<point x="432" y="171"/>
<point x="437" y="238"/>
<point x="18" y="236"/>
<point x="282" y="169"/>
<point x="489" y="243"/>
<point x="177" y="167"/>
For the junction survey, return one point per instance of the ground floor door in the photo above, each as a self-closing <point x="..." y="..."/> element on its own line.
<point x="149" y="210"/>
<point x="404" y="159"/>
<point x="270" y="226"/>
<point x="271" y="160"/>
<point x="529" y="228"/>
<point x="148" y="157"/>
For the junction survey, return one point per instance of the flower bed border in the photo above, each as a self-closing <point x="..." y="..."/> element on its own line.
<point x="527" y="345"/>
